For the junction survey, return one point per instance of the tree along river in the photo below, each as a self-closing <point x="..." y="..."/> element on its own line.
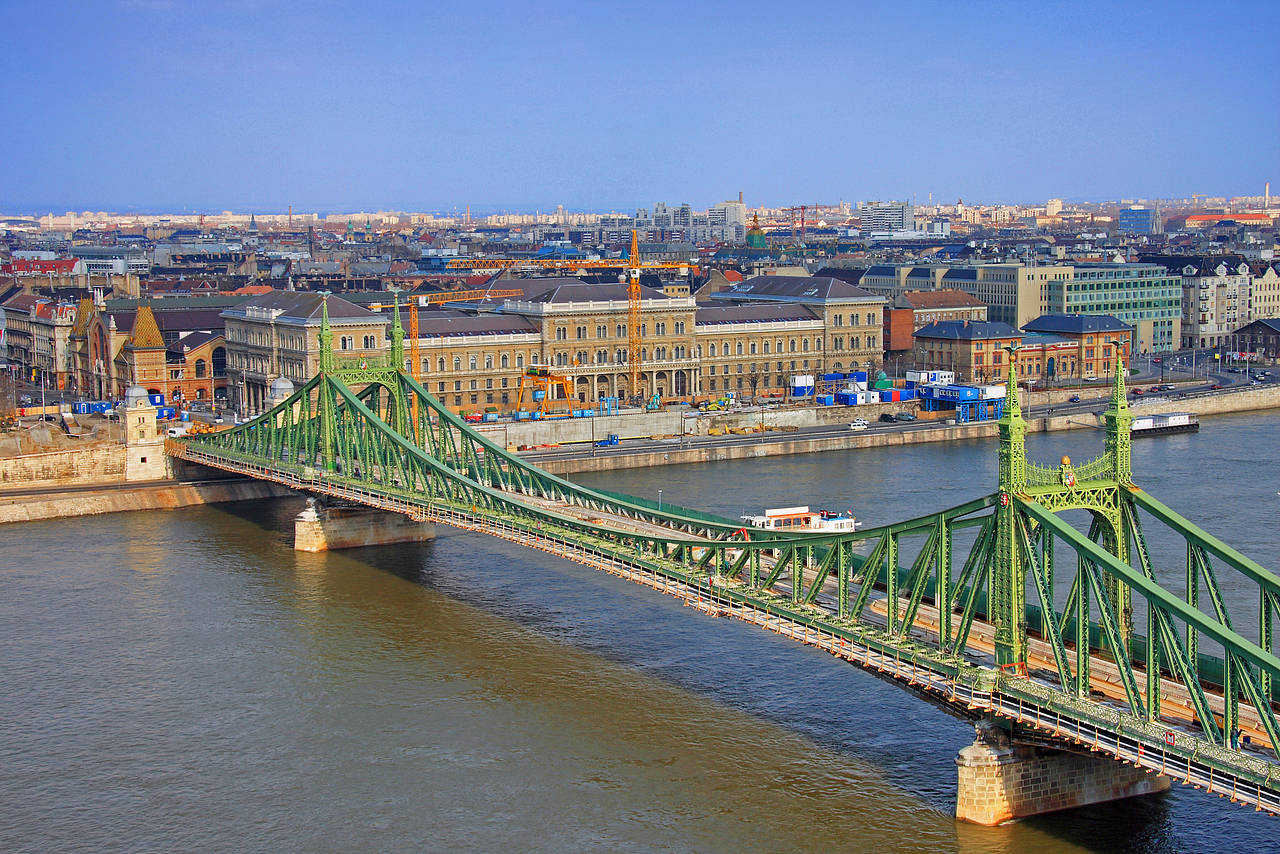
<point x="186" y="681"/>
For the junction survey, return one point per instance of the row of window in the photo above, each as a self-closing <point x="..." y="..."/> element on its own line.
<point x="504" y="361"/>
<point x="620" y="330"/>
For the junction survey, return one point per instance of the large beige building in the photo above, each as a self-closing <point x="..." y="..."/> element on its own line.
<point x="749" y="340"/>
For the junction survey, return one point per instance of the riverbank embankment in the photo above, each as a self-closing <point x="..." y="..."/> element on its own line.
<point x="64" y="502"/>
<point x="770" y="445"/>
<point x="86" y="482"/>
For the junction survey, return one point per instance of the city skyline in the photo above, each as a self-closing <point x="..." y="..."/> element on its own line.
<point x="250" y="106"/>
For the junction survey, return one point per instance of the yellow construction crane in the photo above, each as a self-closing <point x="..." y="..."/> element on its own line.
<point x="632" y="264"/>
<point x="633" y="316"/>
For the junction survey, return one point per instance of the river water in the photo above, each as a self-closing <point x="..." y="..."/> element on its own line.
<point x="179" y="681"/>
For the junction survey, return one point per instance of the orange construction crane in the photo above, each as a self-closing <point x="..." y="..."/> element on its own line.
<point x="633" y="316"/>
<point x="415" y="359"/>
<point x="459" y="296"/>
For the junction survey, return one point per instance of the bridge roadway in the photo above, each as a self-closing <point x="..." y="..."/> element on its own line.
<point x="1031" y="702"/>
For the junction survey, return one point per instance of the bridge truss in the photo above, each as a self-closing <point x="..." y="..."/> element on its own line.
<point x="998" y="607"/>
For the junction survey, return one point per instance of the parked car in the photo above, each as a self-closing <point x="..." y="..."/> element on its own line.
<point x="858" y="424"/>
<point x="1075" y="398"/>
<point x="1091" y="379"/>
<point x="886" y="417"/>
<point x="1137" y="391"/>
<point x="903" y="416"/>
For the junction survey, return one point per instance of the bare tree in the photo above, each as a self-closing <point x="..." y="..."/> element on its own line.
<point x="754" y="377"/>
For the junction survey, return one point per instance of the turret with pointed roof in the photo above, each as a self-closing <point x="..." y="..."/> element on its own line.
<point x="146" y="333"/>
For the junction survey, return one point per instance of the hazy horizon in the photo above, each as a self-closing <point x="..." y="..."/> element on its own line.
<point x="252" y="105"/>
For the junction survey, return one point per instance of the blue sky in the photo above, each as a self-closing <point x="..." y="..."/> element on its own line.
<point x="254" y="104"/>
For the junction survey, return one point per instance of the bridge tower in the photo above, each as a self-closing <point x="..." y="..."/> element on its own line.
<point x="326" y="405"/>
<point x="1094" y="487"/>
<point x="1008" y="583"/>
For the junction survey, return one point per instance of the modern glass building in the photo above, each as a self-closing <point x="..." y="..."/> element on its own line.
<point x="1138" y="220"/>
<point x="1145" y="296"/>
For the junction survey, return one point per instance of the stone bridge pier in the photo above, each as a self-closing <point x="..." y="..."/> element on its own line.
<point x="322" y="527"/>
<point x="1001" y="781"/>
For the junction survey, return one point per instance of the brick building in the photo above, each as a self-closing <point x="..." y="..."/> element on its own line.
<point x="914" y="310"/>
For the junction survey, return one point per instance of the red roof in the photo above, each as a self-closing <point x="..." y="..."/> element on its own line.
<point x="58" y="266"/>
<point x="732" y="276"/>
<point x="1237" y="217"/>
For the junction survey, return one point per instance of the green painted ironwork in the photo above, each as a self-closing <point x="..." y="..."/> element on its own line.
<point x="1001" y="574"/>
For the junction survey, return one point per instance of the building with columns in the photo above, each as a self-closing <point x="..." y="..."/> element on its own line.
<point x="749" y="339"/>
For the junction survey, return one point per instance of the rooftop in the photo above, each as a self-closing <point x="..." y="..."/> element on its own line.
<point x="802" y="289"/>
<point x="945" y="298"/>
<point x="752" y="313"/>
<point x="1076" y="324"/>
<point x="968" y="330"/>
<point x="300" y="307"/>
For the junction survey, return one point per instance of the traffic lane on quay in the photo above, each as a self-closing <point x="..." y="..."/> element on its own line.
<point x="628" y="447"/>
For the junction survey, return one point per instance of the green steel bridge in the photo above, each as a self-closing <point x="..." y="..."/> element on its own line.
<point x="1066" y="635"/>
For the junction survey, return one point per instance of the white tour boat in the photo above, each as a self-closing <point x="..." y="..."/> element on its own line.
<point x="803" y="519"/>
